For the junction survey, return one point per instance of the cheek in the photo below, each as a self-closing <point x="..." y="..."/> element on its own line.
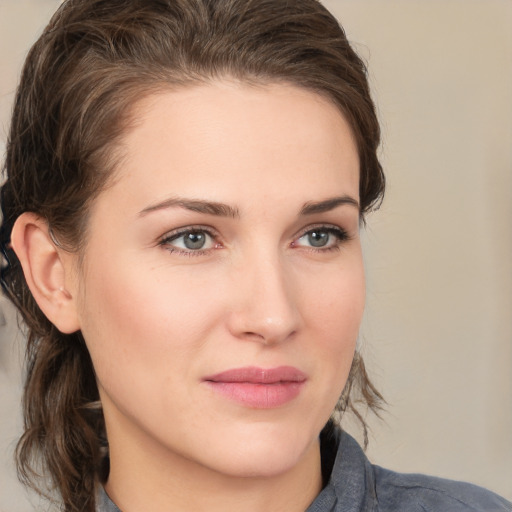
<point x="336" y="300"/>
<point x="334" y="313"/>
<point x="137" y="322"/>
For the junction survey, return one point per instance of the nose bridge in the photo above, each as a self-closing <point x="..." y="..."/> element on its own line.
<point x="265" y="305"/>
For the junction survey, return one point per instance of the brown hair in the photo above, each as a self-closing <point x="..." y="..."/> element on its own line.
<point x="94" y="60"/>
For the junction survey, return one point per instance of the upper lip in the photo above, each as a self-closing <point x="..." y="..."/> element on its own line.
<point x="256" y="375"/>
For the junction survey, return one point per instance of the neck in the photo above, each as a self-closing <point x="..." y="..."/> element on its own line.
<point x="148" y="478"/>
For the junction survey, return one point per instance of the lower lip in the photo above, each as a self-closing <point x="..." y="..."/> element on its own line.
<point x="258" y="396"/>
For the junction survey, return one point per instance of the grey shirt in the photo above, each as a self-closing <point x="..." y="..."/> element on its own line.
<point x="353" y="484"/>
<point x="356" y="485"/>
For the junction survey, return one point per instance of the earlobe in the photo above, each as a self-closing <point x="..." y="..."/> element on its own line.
<point x="46" y="271"/>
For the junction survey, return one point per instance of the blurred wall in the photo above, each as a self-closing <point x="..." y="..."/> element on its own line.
<point x="20" y="23"/>
<point x="438" y="329"/>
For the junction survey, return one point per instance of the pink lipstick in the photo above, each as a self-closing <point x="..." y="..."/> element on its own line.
<point x="259" y="388"/>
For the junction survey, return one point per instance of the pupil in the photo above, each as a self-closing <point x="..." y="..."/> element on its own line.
<point x="318" y="238"/>
<point x="194" y="240"/>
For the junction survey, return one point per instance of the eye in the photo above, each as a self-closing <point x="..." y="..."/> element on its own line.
<point x="322" y="237"/>
<point x="189" y="240"/>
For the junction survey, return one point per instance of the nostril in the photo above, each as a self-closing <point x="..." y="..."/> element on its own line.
<point x="250" y="334"/>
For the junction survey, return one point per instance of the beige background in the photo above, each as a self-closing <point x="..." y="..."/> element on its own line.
<point x="438" y="326"/>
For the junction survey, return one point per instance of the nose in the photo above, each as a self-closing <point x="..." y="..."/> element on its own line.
<point x="264" y="303"/>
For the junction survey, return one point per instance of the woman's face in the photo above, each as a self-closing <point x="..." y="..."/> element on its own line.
<point x="222" y="287"/>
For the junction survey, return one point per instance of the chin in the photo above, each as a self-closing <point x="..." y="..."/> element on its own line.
<point x="260" y="465"/>
<point x="267" y="453"/>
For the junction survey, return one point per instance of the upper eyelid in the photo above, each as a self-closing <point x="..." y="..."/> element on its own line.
<point x="177" y="232"/>
<point x="213" y="232"/>
<point x="320" y="225"/>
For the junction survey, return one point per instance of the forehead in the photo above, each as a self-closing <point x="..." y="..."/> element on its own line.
<point x="229" y="138"/>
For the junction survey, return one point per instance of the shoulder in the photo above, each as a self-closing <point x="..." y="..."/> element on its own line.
<point x="412" y="492"/>
<point x="355" y="484"/>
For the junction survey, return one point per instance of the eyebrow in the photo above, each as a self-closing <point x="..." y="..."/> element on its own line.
<point x="225" y="210"/>
<point x="327" y="205"/>
<point x="195" y="205"/>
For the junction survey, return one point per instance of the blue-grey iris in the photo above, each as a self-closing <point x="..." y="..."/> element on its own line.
<point x="318" y="238"/>
<point x="194" y="240"/>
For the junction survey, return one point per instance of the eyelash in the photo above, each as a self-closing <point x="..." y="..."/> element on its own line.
<point x="175" y="235"/>
<point x="340" y="234"/>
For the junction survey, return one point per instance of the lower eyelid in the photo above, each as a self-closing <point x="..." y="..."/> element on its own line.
<point x="186" y="252"/>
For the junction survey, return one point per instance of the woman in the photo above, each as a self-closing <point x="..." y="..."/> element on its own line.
<point x="185" y="185"/>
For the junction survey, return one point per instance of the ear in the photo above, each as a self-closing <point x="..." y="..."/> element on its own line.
<point x="47" y="270"/>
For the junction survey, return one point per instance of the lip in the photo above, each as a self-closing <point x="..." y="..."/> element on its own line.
<point x="259" y="388"/>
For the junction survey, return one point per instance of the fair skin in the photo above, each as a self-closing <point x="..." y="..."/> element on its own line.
<point x="229" y="239"/>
